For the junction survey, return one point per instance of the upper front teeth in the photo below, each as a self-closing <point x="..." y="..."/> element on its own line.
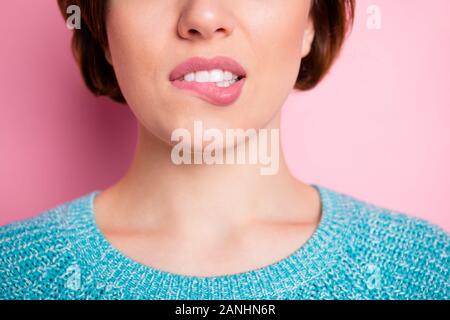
<point x="215" y="75"/>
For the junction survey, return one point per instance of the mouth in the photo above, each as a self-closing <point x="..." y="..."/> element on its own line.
<point x="218" y="81"/>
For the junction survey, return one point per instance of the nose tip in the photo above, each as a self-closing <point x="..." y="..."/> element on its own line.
<point x="204" y="19"/>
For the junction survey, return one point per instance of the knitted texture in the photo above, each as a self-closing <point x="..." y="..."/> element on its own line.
<point x="358" y="251"/>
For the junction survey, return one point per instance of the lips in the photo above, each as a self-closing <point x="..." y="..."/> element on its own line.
<point x="209" y="91"/>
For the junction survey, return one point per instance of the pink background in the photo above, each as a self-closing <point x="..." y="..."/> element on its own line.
<point x="377" y="128"/>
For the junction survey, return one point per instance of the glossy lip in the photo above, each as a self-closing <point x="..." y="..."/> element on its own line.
<point x="209" y="91"/>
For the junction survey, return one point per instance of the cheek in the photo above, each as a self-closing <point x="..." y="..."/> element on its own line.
<point x="134" y="48"/>
<point x="280" y="42"/>
<point x="277" y="47"/>
<point x="136" y="51"/>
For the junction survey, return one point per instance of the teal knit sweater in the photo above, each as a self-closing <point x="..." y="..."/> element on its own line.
<point x="359" y="251"/>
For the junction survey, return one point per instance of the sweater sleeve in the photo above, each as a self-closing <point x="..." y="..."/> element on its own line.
<point x="415" y="258"/>
<point x="33" y="257"/>
<point x="428" y="256"/>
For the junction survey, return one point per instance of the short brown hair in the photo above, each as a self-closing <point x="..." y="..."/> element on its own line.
<point x="332" y="20"/>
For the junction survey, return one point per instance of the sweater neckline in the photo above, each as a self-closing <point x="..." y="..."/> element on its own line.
<point x="311" y="259"/>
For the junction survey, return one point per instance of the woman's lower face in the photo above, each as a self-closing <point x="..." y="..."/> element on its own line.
<point x="229" y="64"/>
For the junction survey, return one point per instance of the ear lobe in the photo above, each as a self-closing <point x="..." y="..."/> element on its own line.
<point x="108" y="55"/>
<point x="308" y="38"/>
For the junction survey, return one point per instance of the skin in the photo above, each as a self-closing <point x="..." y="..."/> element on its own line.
<point x="205" y="220"/>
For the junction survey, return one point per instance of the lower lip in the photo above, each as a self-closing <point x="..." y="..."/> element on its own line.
<point x="211" y="93"/>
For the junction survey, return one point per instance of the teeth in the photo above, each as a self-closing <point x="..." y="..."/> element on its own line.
<point x="220" y="77"/>
<point x="225" y="84"/>
<point x="189" y="77"/>
<point x="228" y="76"/>
<point x="216" y="76"/>
<point x="202" y="76"/>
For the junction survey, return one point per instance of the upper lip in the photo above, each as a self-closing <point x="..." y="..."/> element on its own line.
<point x="201" y="64"/>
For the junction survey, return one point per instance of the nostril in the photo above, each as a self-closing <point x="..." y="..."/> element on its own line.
<point x="193" y="32"/>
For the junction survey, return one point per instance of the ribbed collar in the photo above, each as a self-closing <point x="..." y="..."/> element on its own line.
<point x="279" y="280"/>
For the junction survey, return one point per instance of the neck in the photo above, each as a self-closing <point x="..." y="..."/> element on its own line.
<point x="155" y="192"/>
